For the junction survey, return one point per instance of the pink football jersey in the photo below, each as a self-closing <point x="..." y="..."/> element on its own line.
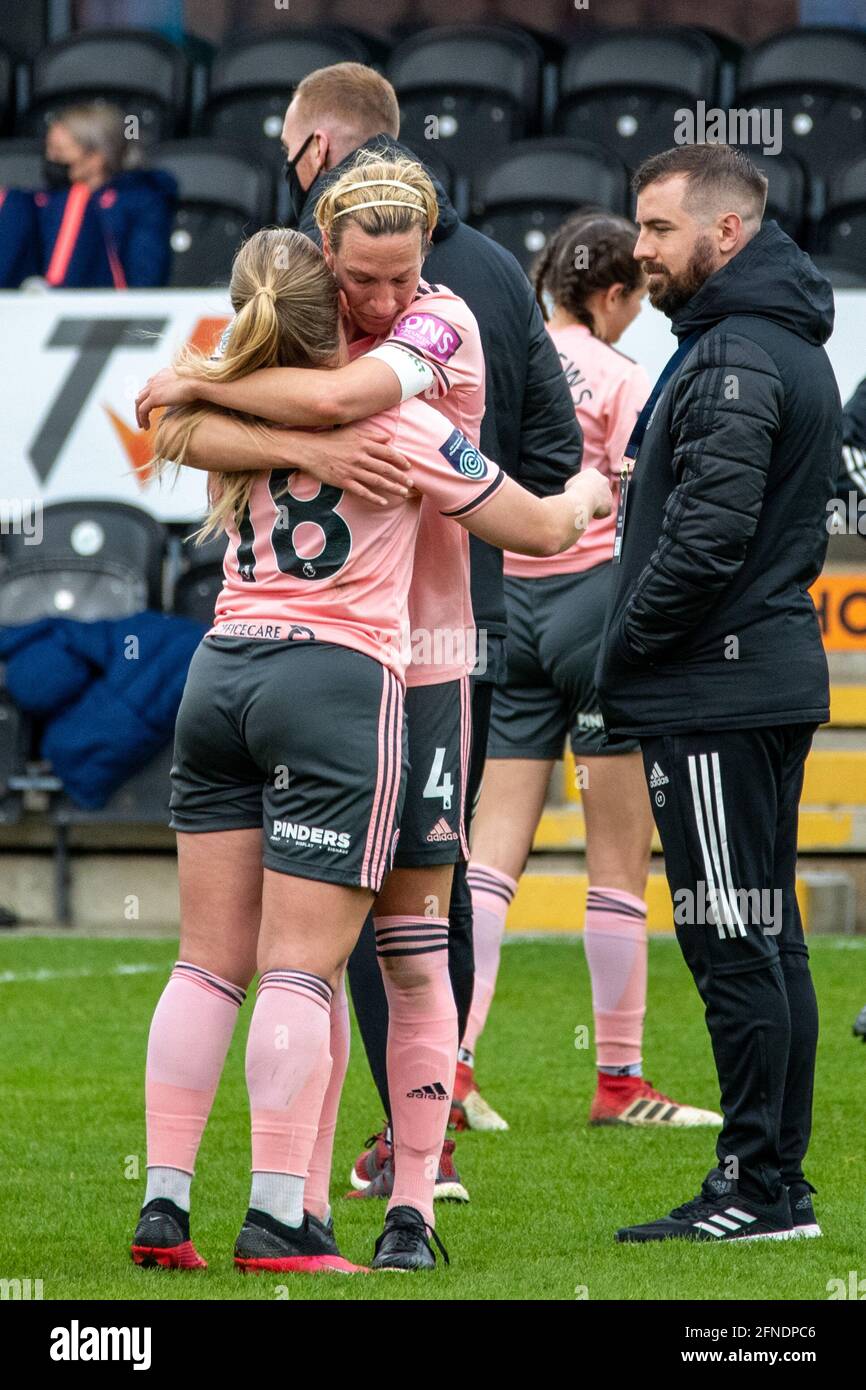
<point x="608" y="390"/>
<point x="441" y="330"/>
<point x="317" y="562"/>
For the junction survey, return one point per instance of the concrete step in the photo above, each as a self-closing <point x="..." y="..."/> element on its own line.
<point x="556" y="901"/>
<point x="136" y="894"/>
<point x="562" y="829"/>
<point x="834" y="777"/>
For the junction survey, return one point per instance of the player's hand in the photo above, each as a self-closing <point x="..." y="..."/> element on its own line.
<point x="165" y="388"/>
<point x="594" y="491"/>
<point x="360" y="462"/>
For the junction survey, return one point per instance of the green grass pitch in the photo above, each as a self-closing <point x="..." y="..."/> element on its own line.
<point x="546" y="1197"/>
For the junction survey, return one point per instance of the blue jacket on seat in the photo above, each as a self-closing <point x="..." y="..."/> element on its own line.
<point x="109" y="692"/>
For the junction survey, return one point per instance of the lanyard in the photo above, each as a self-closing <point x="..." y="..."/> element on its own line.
<point x="636" y="438"/>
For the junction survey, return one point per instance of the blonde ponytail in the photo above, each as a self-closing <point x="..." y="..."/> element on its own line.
<point x="286" y="315"/>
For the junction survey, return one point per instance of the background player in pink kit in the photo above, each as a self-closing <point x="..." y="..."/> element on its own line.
<point x="591" y="287"/>
<point x="407" y="337"/>
<point x="291" y="720"/>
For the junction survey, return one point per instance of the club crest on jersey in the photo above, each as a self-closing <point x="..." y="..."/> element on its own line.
<point x="463" y="456"/>
<point x="430" y="334"/>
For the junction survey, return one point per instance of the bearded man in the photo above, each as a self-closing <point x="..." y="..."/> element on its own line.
<point x="712" y="654"/>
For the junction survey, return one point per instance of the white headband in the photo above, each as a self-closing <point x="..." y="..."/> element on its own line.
<point x="382" y="203"/>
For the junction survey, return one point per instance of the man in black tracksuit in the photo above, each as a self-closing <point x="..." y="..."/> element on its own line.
<point x="712" y="653"/>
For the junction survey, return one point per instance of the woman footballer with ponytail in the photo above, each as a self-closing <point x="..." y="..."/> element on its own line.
<point x="289" y="774"/>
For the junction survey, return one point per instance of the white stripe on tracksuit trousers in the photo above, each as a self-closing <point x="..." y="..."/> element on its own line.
<point x="718" y="874"/>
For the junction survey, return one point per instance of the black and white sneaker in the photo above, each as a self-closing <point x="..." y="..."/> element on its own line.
<point x="719" y="1212"/>
<point x="267" y="1245"/>
<point x="404" y="1243"/>
<point x="162" y="1238"/>
<point x="859" y="1029"/>
<point x="802" y="1210"/>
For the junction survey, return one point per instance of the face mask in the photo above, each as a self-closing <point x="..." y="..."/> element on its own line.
<point x="297" y="192"/>
<point x="56" y="174"/>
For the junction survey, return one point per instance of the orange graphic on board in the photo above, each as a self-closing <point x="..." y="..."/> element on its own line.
<point x="138" y="444"/>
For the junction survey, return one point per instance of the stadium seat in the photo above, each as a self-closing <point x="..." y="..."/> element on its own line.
<point x="144" y="74"/>
<point x="6" y="91"/>
<point x="21" y="164"/>
<point x="224" y="194"/>
<point x="199" y="576"/>
<point x="842" y="233"/>
<point x="468" y="92"/>
<point x="14" y="741"/>
<point x="528" y="192"/>
<point x="788" y="191"/>
<point x="623" y="89"/>
<point x="95" y="560"/>
<point x="817" y="78"/>
<point x="252" y="80"/>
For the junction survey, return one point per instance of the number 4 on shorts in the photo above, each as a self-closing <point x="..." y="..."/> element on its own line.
<point x="437" y="785"/>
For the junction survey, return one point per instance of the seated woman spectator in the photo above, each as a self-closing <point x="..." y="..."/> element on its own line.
<point x="102" y="221"/>
<point x="19" y="256"/>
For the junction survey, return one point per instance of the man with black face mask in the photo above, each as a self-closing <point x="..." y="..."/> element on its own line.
<point x="712" y="654"/>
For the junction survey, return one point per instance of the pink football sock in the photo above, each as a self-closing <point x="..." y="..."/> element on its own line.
<point x="318" y="1186"/>
<point x="492" y="892"/>
<point x="189" y="1037"/>
<point x="422" y="1050"/>
<point x="615" y="941"/>
<point x="288" y="1066"/>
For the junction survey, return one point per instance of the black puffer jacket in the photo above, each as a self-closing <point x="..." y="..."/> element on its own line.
<point x="710" y="623"/>
<point x="529" y="426"/>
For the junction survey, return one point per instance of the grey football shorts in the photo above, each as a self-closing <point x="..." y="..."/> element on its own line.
<point x="306" y="740"/>
<point x="554" y="633"/>
<point x="432" y="829"/>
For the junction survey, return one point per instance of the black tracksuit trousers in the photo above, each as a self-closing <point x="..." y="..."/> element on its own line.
<point x="726" y="807"/>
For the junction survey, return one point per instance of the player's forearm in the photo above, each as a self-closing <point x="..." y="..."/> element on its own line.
<point x="281" y="395"/>
<point x="219" y="444"/>
<point x="515" y="520"/>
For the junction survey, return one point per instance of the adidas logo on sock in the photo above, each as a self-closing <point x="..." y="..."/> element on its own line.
<point x="657" y="777"/>
<point x="435" y="1092"/>
<point x="441" y="831"/>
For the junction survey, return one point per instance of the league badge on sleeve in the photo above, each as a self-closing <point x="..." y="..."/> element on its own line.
<point x="463" y="456"/>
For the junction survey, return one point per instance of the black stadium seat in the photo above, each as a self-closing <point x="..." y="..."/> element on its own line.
<point x="467" y="92"/>
<point x="6" y="91"/>
<point x="200" y="577"/>
<point x="842" y="233"/>
<point x="144" y="74"/>
<point x="529" y="191"/>
<point x="14" y="741"/>
<point x="21" y="164"/>
<point x="95" y="560"/>
<point x="788" y="191"/>
<point x="817" y="78"/>
<point x="252" y="81"/>
<point x="224" y="194"/>
<point x="622" y="89"/>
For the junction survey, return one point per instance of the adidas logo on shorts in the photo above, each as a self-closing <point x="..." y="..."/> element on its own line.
<point x="657" y="777"/>
<point x="435" y="1092"/>
<point x="441" y="831"/>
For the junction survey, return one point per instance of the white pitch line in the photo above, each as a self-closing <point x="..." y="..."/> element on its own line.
<point x="14" y="977"/>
